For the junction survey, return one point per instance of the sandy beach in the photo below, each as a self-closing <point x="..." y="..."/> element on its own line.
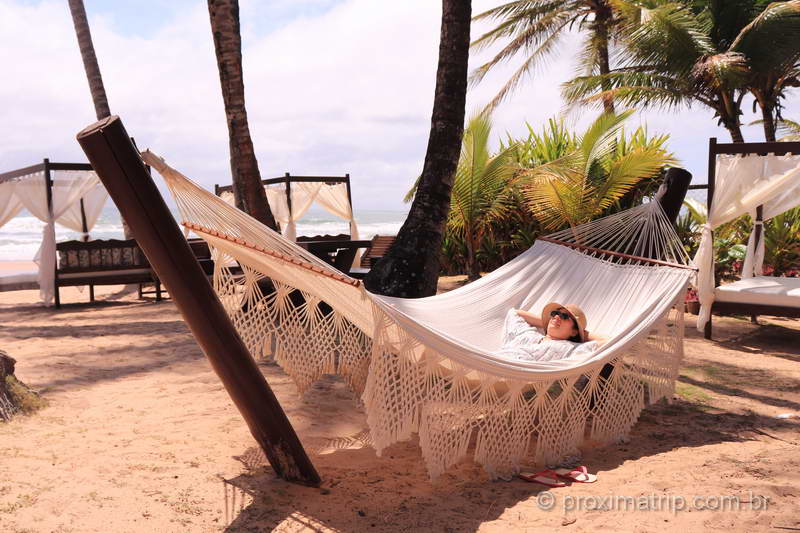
<point x="140" y="435"/>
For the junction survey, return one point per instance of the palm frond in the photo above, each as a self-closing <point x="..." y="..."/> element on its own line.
<point x="600" y="136"/>
<point x="771" y="42"/>
<point x="533" y="39"/>
<point x="628" y="88"/>
<point x="671" y="38"/>
<point x="626" y="171"/>
<point x="524" y="70"/>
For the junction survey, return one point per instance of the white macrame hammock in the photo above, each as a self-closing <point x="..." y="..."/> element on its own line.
<point x="428" y="365"/>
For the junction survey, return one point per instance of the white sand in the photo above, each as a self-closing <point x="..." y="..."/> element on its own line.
<point x="141" y="436"/>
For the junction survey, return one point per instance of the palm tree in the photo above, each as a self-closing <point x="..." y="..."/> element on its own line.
<point x="712" y="52"/>
<point x="410" y="269"/>
<point x="247" y="189"/>
<point x="676" y="57"/>
<point x="98" y="91"/>
<point x="482" y="192"/>
<point x="771" y="44"/>
<point x="589" y="180"/>
<point x="535" y="28"/>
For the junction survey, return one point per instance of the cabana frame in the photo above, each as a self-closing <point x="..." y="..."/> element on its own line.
<point x="758" y="149"/>
<point x="288" y="179"/>
<point x="47" y="167"/>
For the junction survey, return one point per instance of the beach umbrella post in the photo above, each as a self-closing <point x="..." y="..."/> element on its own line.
<point x="118" y="164"/>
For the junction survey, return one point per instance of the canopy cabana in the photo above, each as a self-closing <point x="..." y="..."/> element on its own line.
<point x="290" y="197"/>
<point x="69" y="194"/>
<point x="762" y="179"/>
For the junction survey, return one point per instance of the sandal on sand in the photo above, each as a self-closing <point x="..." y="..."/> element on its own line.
<point x="577" y="474"/>
<point x="545" y="477"/>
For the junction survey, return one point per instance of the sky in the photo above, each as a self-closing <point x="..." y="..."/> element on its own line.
<point x="331" y="87"/>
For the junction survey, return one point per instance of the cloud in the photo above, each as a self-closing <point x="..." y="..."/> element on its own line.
<point x="331" y="87"/>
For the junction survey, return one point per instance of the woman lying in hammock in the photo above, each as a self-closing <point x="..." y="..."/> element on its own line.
<point x="558" y="333"/>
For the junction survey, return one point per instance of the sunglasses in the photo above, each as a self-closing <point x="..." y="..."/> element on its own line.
<point x="562" y="314"/>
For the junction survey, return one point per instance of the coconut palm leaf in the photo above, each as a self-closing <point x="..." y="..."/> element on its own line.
<point x="534" y="28"/>
<point x="670" y="39"/>
<point x="771" y="42"/>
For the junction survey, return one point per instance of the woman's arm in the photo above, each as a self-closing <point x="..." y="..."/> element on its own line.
<point x="599" y="339"/>
<point x="530" y="318"/>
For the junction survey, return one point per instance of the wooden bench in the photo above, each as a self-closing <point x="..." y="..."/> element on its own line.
<point x="113" y="262"/>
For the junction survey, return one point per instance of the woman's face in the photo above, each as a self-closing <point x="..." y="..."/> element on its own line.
<point x="559" y="327"/>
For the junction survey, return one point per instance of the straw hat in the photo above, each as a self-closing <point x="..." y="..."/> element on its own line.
<point x="573" y="310"/>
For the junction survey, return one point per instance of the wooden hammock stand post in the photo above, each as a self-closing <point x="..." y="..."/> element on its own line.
<point x="117" y="163"/>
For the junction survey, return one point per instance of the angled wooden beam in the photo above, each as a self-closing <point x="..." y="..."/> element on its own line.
<point x="117" y="163"/>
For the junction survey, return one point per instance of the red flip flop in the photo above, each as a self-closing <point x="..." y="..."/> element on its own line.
<point x="577" y="474"/>
<point x="545" y="477"/>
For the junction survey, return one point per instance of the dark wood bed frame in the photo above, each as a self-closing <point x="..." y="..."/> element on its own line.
<point x="714" y="149"/>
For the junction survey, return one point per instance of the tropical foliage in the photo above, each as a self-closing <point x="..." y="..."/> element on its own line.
<point x="782" y="244"/>
<point x="789" y="129"/>
<point x="482" y="193"/>
<point x="596" y="173"/>
<point x="507" y="221"/>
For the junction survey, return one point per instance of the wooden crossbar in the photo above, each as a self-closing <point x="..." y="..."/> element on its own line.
<point x="277" y="255"/>
<point x="615" y="254"/>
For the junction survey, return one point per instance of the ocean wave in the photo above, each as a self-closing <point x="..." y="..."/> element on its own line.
<point x="21" y="237"/>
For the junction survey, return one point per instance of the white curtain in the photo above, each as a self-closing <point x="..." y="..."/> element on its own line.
<point x="276" y="198"/>
<point x="68" y="188"/>
<point x="788" y="198"/>
<point x="741" y="185"/>
<point x="93" y="202"/>
<point x="334" y="199"/>
<point x="10" y="204"/>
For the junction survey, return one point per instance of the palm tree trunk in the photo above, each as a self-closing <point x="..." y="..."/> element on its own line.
<point x="601" y="27"/>
<point x="81" y="23"/>
<point x="247" y="188"/>
<point x="92" y="68"/>
<point x="735" y="129"/>
<point x="768" y="116"/>
<point x="728" y="110"/>
<point x="411" y="267"/>
<point x="473" y="268"/>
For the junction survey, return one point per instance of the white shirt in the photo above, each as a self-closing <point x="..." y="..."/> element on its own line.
<point x="521" y="341"/>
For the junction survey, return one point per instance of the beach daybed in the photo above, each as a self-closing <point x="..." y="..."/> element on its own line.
<point x="68" y="194"/>
<point x="762" y="179"/>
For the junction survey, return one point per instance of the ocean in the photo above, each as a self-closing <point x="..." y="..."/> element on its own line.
<point x="21" y="236"/>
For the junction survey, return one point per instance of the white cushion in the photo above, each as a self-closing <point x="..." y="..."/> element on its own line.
<point x="762" y="290"/>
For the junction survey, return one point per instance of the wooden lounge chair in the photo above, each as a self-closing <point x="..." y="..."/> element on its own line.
<point x="378" y="247"/>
